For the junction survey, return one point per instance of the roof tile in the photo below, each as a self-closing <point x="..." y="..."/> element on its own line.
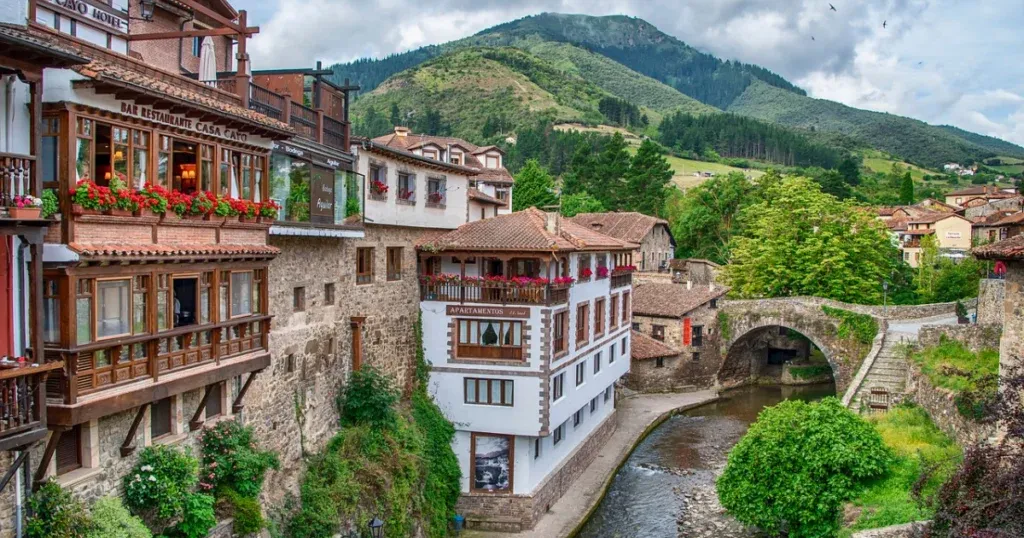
<point x="643" y="347"/>
<point x="628" y="226"/>
<point x="672" y="300"/>
<point x="525" y="231"/>
<point x="106" y="250"/>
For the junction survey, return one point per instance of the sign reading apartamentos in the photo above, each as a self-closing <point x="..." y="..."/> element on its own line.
<point x="490" y="311"/>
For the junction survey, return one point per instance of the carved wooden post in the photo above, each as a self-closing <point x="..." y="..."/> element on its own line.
<point x="286" y="111"/>
<point x="242" y="74"/>
<point x="320" y="125"/>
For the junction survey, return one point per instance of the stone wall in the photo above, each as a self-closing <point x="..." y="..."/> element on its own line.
<point x="516" y="513"/>
<point x="907" y="530"/>
<point x="991" y="294"/>
<point x="681" y="371"/>
<point x="939" y="404"/>
<point x="655" y="248"/>
<point x="975" y="336"/>
<point x="878" y="311"/>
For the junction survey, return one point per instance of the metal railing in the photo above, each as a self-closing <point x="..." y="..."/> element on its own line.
<point x="266" y="102"/>
<point x="229" y="85"/>
<point x="493" y="292"/>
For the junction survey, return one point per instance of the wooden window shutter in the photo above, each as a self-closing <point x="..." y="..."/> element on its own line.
<point x="69" y="450"/>
<point x="686" y="331"/>
<point x="213" y="403"/>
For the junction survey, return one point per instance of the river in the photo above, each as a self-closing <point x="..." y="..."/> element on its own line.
<point x="666" y="489"/>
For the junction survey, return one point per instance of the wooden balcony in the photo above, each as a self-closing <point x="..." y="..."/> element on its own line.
<point x="308" y="123"/>
<point x="23" y="403"/>
<point x="485" y="292"/>
<point x="17" y="178"/>
<point x="623" y="279"/>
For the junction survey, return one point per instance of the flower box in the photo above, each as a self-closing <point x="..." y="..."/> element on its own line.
<point x="24" y="212"/>
<point x="79" y="210"/>
<point x="118" y="212"/>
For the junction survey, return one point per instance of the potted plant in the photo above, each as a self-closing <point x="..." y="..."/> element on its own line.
<point x="87" y="198"/>
<point x="51" y="206"/>
<point x="155" y="198"/>
<point x="246" y="210"/>
<point x="961" y="313"/>
<point x="222" y="210"/>
<point x="179" y="203"/>
<point x="602" y="272"/>
<point x="202" y="206"/>
<point x="25" y="207"/>
<point x="378" y="189"/>
<point x="268" y="211"/>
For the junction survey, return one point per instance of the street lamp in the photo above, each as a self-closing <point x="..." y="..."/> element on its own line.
<point x="376" y="528"/>
<point x="148" y="6"/>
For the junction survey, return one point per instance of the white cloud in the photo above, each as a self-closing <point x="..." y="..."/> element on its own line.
<point x="942" y="61"/>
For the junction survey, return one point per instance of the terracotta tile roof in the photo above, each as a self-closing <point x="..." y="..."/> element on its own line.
<point x="932" y="217"/>
<point x="928" y="203"/>
<point x="110" y="250"/>
<point x="19" y="40"/>
<point x="477" y="196"/>
<point x="994" y="218"/>
<point x="524" y="231"/>
<point x="628" y="226"/>
<point x="120" y="75"/>
<point x="377" y="147"/>
<point x="1007" y="249"/>
<point x="672" y="300"/>
<point x="886" y="211"/>
<point x="485" y="149"/>
<point x="643" y="347"/>
<point x="412" y="141"/>
<point x="980" y="189"/>
<point x="1013" y="218"/>
<point x="896" y="224"/>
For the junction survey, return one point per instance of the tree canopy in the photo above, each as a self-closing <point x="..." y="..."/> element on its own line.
<point x="534" y="188"/>
<point x="648" y="180"/>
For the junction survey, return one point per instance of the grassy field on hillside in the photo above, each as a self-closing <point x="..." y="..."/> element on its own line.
<point x="876" y="161"/>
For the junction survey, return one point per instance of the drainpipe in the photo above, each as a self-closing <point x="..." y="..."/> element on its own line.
<point x="20" y="267"/>
<point x="17" y="497"/>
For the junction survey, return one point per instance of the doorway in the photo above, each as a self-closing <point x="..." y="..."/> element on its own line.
<point x="185" y="177"/>
<point x="185" y="301"/>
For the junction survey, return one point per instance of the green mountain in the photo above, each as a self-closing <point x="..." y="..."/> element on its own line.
<point x="630" y="59"/>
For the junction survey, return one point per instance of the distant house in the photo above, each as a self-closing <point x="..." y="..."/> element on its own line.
<point x="998" y="226"/>
<point x="949" y="167"/>
<point x="694" y="270"/>
<point x="952" y="233"/>
<point x="985" y="192"/>
<point x="657" y="246"/>
<point x="1012" y="204"/>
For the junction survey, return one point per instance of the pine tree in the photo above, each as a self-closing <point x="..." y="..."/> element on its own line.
<point x="609" y="171"/>
<point x="582" y="202"/>
<point x="648" y="180"/>
<point x="396" y="117"/>
<point x="582" y="169"/>
<point x="534" y="187"/>
<point x="907" y="189"/>
<point x="850" y="171"/>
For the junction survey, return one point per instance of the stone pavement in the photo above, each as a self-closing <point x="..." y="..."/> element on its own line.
<point x="634" y="416"/>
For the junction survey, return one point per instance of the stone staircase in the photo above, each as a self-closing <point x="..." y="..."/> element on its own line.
<point x="886" y="380"/>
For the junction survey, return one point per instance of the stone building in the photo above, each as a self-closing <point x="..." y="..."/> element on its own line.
<point x="694" y="270"/>
<point x="684" y="318"/>
<point x="1010" y="252"/>
<point x="657" y="246"/>
<point x="532" y="399"/>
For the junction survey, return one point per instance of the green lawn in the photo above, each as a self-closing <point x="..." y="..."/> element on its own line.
<point x="877" y="161"/>
<point x="917" y="445"/>
<point x="952" y="366"/>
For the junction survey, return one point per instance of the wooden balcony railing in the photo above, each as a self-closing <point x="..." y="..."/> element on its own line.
<point x="493" y="292"/>
<point x="266" y="102"/>
<point x="101" y="366"/>
<point x="22" y="403"/>
<point x="621" y="279"/>
<point x="15" y="177"/>
<point x="229" y="85"/>
<point x="303" y="120"/>
<point x="335" y="133"/>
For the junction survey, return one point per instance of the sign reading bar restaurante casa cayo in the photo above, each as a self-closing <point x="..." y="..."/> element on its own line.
<point x="174" y="120"/>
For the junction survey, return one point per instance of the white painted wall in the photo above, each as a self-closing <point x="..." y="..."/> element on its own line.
<point x="14" y="11"/>
<point x="14" y="116"/>
<point x="390" y="212"/>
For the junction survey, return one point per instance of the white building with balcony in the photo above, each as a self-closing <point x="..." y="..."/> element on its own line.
<point x="526" y="324"/>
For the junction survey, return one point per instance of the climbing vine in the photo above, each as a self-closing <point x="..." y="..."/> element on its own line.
<point x="860" y="327"/>
<point x="723" y="325"/>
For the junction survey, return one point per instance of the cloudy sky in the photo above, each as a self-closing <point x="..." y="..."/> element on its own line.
<point x="943" y="61"/>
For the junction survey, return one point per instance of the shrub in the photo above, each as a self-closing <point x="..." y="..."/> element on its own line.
<point x="160" y="485"/>
<point x="51" y="206"/>
<point x="860" y="327"/>
<point x="231" y="459"/>
<point x="368" y="398"/>
<point x="796" y="466"/>
<point x="972" y="377"/>
<point x="198" y="517"/>
<point x="808" y="372"/>
<point x="112" y="520"/>
<point x="56" y="514"/>
<point x="246" y="511"/>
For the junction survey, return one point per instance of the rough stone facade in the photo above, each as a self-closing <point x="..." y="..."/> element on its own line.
<point x="682" y="371"/>
<point x="974" y="336"/>
<point x="655" y="249"/>
<point x="991" y="294"/>
<point x="878" y="311"/>
<point x="516" y="513"/>
<point x="940" y="405"/>
<point x="1011" y="346"/>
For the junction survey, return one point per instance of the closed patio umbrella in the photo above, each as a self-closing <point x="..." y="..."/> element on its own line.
<point x="207" y="62"/>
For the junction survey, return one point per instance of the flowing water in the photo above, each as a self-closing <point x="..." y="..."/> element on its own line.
<point x="666" y="489"/>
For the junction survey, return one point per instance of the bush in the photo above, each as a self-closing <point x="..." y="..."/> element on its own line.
<point x="972" y="377"/>
<point x="198" y="517"/>
<point x="246" y="511"/>
<point x="797" y="464"/>
<point x="861" y="327"/>
<point x="231" y="459"/>
<point x="56" y="514"/>
<point x="112" y="520"/>
<point x="369" y="398"/>
<point x="51" y="206"/>
<point x="159" y="485"/>
<point x="809" y="372"/>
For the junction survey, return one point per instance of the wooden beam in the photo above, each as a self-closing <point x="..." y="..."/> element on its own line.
<point x="125" y="95"/>
<point x="103" y="89"/>
<point x="145" y="100"/>
<point x="128" y="446"/>
<point x="196" y="6"/>
<point x="196" y="422"/>
<point x="216" y="32"/>
<point x="237" y="405"/>
<point x="51" y="447"/>
<point x="162" y="105"/>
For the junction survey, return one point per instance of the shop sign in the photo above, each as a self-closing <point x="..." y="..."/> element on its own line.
<point x="321" y="204"/>
<point x="95" y="14"/>
<point x="181" y="122"/>
<point x="290" y="150"/>
<point x="489" y="311"/>
<point x="952" y="235"/>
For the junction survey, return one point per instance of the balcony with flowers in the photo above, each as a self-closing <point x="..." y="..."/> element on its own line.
<point x="622" y="276"/>
<point x="495" y="289"/>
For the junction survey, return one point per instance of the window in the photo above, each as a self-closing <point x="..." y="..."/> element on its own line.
<point x="625" y="307"/>
<point x="714" y="303"/>
<point x="197" y="46"/>
<point x="112" y="316"/>
<point x="364" y="265"/>
<point x="622" y="346"/>
<point x="581" y="372"/>
<point x="557" y="387"/>
<point x="378" y="188"/>
<point x="597" y="363"/>
<point x="611" y="353"/>
<point x="406" y="188"/>
<point x="582" y="323"/>
<point x="613" y="316"/>
<point x="577" y="418"/>
<point x="241" y="294"/>
<point x="636" y="326"/>
<point x="501" y="194"/>
<point x="696" y="356"/>
<point x="602" y="265"/>
<point x="160" y="418"/>
<point x="298" y="299"/>
<point x="492" y="161"/>
<point x="214" y="406"/>
<point x="51" y="311"/>
<point x="69" y="450"/>
<point x="140" y="292"/>
<point x="658" y="332"/>
<point x="583" y="271"/>
<point x="659" y="362"/>
<point x="593" y="405"/>
<point x="456" y="158"/>
<point x="394" y="263"/>
<point x="607" y="393"/>
<point x="490" y="339"/>
<point x="599" y="313"/>
<point x="536" y="448"/>
<point x="488" y="391"/>
<point x="561" y="344"/>
<point x="329" y="293"/>
<point x="698" y="335"/>
<point x="49" y="160"/>
<point x="289" y="363"/>
<point x="435" y="192"/>
<point x="559" y="433"/>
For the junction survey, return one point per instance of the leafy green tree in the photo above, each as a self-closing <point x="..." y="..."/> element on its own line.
<point x="648" y="180"/>
<point x="849" y="168"/>
<point x="582" y="168"/>
<point x="798" y="464"/>
<point x="581" y="202"/>
<point x="396" y="116"/>
<point x="372" y="124"/>
<point x="832" y="182"/>
<point x="609" y="170"/>
<point x="704" y="219"/>
<point x="797" y="240"/>
<point x="431" y="123"/>
<point x="907" y="189"/>
<point x="534" y="187"/>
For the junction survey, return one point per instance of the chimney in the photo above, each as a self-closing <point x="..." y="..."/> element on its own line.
<point x="551" y="221"/>
<point x="597" y="225"/>
<point x="689" y="284"/>
<point x="401" y="131"/>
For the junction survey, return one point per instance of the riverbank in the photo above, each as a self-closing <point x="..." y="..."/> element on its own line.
<point x="635" y="417"/>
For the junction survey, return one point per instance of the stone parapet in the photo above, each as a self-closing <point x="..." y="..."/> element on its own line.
<point x="892" y="312"/>
<point x="991" y="295"/>
<point x="941" y="406"/>
<point x="974" y="336"/>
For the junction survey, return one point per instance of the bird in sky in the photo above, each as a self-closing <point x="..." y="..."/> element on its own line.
<point x="884" y="23"/>
<point x="812" y="38"/>
<point x="833" y="8"/>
